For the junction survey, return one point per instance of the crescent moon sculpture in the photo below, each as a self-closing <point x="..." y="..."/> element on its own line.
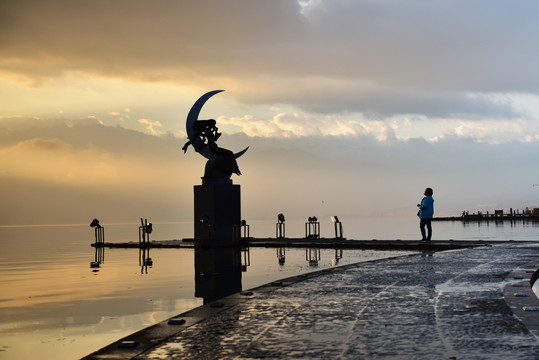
<point x="203" y="135"/>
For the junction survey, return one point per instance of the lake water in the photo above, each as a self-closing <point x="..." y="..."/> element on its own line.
<point x="53" y="305"/>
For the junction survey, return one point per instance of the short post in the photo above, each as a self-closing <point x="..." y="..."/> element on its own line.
<point x="312" y="228"/>
<point x="100" y="234"/>
<point x="246" y="229"/>
<point x="279" y="227"/>
<point x="99" y="231"/>
<point x="338" y="227"/>
<point x="144" y="232"/>
<point x="241" y="231"/>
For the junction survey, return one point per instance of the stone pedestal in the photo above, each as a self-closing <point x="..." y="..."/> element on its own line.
<point x="217" y="211"/>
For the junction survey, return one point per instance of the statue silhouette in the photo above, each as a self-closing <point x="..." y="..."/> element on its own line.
<point x="203" y="135"/>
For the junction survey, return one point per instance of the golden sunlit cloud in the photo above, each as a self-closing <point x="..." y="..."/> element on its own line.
<point x="153" y="127"/>
<point x="79" y="93"/>
<point x="54" y="161"/>
<point x="292" y="125"/>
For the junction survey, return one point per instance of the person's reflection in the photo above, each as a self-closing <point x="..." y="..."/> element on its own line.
<point x="217" y="272"/>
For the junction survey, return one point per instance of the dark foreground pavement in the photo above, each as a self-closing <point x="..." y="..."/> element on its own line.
<point x="461" y="304"/>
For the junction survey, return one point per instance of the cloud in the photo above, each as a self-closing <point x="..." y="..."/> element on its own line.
<point x="126" y="36"/>
<point x="87" y="154"/>
<point x="381" y="57"/>
<point x="393" y="129"/>
<point x="356" y="175"/>
<point x="69" y="171"/>
<point x="295" y="125"/>
<point x="494" y="131"/>
<point x="55" y="161"/>
<point x="153" y="127"/>
<point x="87" y="169"/>
<point x="281" y="125"/>
<point x="326" y="97"/>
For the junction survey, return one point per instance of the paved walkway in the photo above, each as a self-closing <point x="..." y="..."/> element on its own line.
<point x="458" y="304"/>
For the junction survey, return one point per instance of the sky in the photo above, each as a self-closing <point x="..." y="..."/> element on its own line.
<point x="348" y="107"/>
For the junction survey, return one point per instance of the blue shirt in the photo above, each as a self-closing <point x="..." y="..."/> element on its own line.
<point x="426" y="209"/>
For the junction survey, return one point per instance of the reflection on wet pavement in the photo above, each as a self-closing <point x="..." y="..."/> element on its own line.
<point x="432" y="306"/>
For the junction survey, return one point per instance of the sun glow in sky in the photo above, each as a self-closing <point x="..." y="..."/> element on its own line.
<point x="360" y="104"/>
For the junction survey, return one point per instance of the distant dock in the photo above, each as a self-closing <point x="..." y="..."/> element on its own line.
<point x="497" y="215"/>
<point x="490" y="217"/>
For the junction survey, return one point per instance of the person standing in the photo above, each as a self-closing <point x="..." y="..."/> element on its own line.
<point x="425" y="213"/>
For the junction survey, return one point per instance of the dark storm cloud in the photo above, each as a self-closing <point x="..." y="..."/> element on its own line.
<point x="385" y="57"/>
<point x="452" y="45"/>
<point x="150" y="39"/>
<point x="380" y="102"/>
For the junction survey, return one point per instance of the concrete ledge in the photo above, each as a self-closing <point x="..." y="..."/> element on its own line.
<point x="519" y="296"/>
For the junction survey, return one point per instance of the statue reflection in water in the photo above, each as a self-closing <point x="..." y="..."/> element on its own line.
<point x="218" y="271"/>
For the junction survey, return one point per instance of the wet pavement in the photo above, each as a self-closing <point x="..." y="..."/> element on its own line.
<point x="472" y="303"/>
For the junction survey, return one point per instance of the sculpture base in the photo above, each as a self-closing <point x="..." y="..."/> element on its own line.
<point x="217" y="211"/>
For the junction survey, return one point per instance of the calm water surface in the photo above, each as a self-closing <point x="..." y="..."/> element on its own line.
<point x="53" y="305"/>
